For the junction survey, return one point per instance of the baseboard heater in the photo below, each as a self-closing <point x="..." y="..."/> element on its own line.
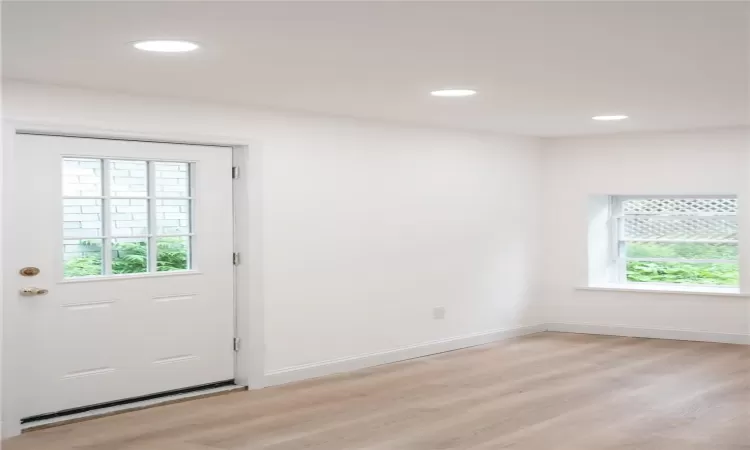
<point x="143" y="398"/>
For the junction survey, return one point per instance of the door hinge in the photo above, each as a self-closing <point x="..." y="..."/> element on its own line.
<point x="235" y="172"/>
<point x="236" y="344"/>
<point x="236" y="259"/>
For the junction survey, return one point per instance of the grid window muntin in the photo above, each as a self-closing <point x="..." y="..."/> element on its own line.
<point x="155" y="200"/>
<point x="706" y="222"/>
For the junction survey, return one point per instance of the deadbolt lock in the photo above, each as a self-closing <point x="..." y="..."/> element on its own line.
<point x="29" y="271"/>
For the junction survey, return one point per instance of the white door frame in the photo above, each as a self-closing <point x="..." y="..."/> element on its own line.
<point x="249" y="318"/>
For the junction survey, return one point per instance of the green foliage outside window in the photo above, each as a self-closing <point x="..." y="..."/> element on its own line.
<point x="720" y="274"/>
<point x="129" y="257"/>
<point x="172" y="254"/>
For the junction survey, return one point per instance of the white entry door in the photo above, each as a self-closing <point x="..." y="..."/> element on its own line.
<point x="133" y="243"/>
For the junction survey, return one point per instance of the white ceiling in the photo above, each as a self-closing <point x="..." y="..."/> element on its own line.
<point x="541" y="68"/>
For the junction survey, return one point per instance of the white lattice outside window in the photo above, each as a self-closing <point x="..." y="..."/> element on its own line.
<point x="690" y="240"/>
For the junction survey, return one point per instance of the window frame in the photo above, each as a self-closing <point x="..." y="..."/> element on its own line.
<point x="107" y="238"/>
<point x="617" y="242"/>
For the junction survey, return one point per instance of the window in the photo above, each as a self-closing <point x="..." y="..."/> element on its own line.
<point x="678" y="240"/>
<point x="126" y="216"/>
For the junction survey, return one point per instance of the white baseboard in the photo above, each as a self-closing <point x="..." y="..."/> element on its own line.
<point x="320" y="369"/>
<point x="654" y="333"/>
<point x="324" y="368"/>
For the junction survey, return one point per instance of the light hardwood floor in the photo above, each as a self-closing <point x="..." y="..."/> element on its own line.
<point x="540" y="392"/>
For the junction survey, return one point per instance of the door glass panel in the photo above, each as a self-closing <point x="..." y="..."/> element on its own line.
<point x="136" y="221"/>
<point x="129" y="255"/>
<point x="82" y="217"/>
<point x="128" y="178"/>
<point x="82" y="177"/>
<point x="173" y="253"/>
<point x="82" y="257"/>
<point x="172" y="216"/>
<point x="172" y="179"/>
<point x="129" y="217"/>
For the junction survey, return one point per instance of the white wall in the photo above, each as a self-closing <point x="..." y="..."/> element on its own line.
<point x="366" y="226"/>
<point x="2" y="269"/>
<point x="711" y="162"/>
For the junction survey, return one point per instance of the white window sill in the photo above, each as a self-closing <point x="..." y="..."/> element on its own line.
<point x="661" y="289"/>
<point x="129" y="276"/>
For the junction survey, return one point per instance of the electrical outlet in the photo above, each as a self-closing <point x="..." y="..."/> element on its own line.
<point x="438" y="313"/>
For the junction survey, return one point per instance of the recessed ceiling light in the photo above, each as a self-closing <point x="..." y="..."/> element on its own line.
<point x="453" y="93"/>
<point x="606" y="118"/>
<point x="166" y="46"/>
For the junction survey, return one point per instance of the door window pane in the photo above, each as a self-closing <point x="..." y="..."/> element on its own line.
<point x="172" y="179"/>
<point x="129" y="217"/>
<point x="173" y="253"/>
<point x="81" y="177"/>
<point x="128" y="178"/>
<point x="82" y="258"/>
<point x="82" y="217"/>
<point x="137" y="222"/>
<point x="172" y="216"/>
<point x="129" y="255"/>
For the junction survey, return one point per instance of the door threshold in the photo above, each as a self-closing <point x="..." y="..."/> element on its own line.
<point x="105" y="411"/>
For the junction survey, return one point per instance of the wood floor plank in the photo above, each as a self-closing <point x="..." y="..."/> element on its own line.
<point x="549" y="391"/>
